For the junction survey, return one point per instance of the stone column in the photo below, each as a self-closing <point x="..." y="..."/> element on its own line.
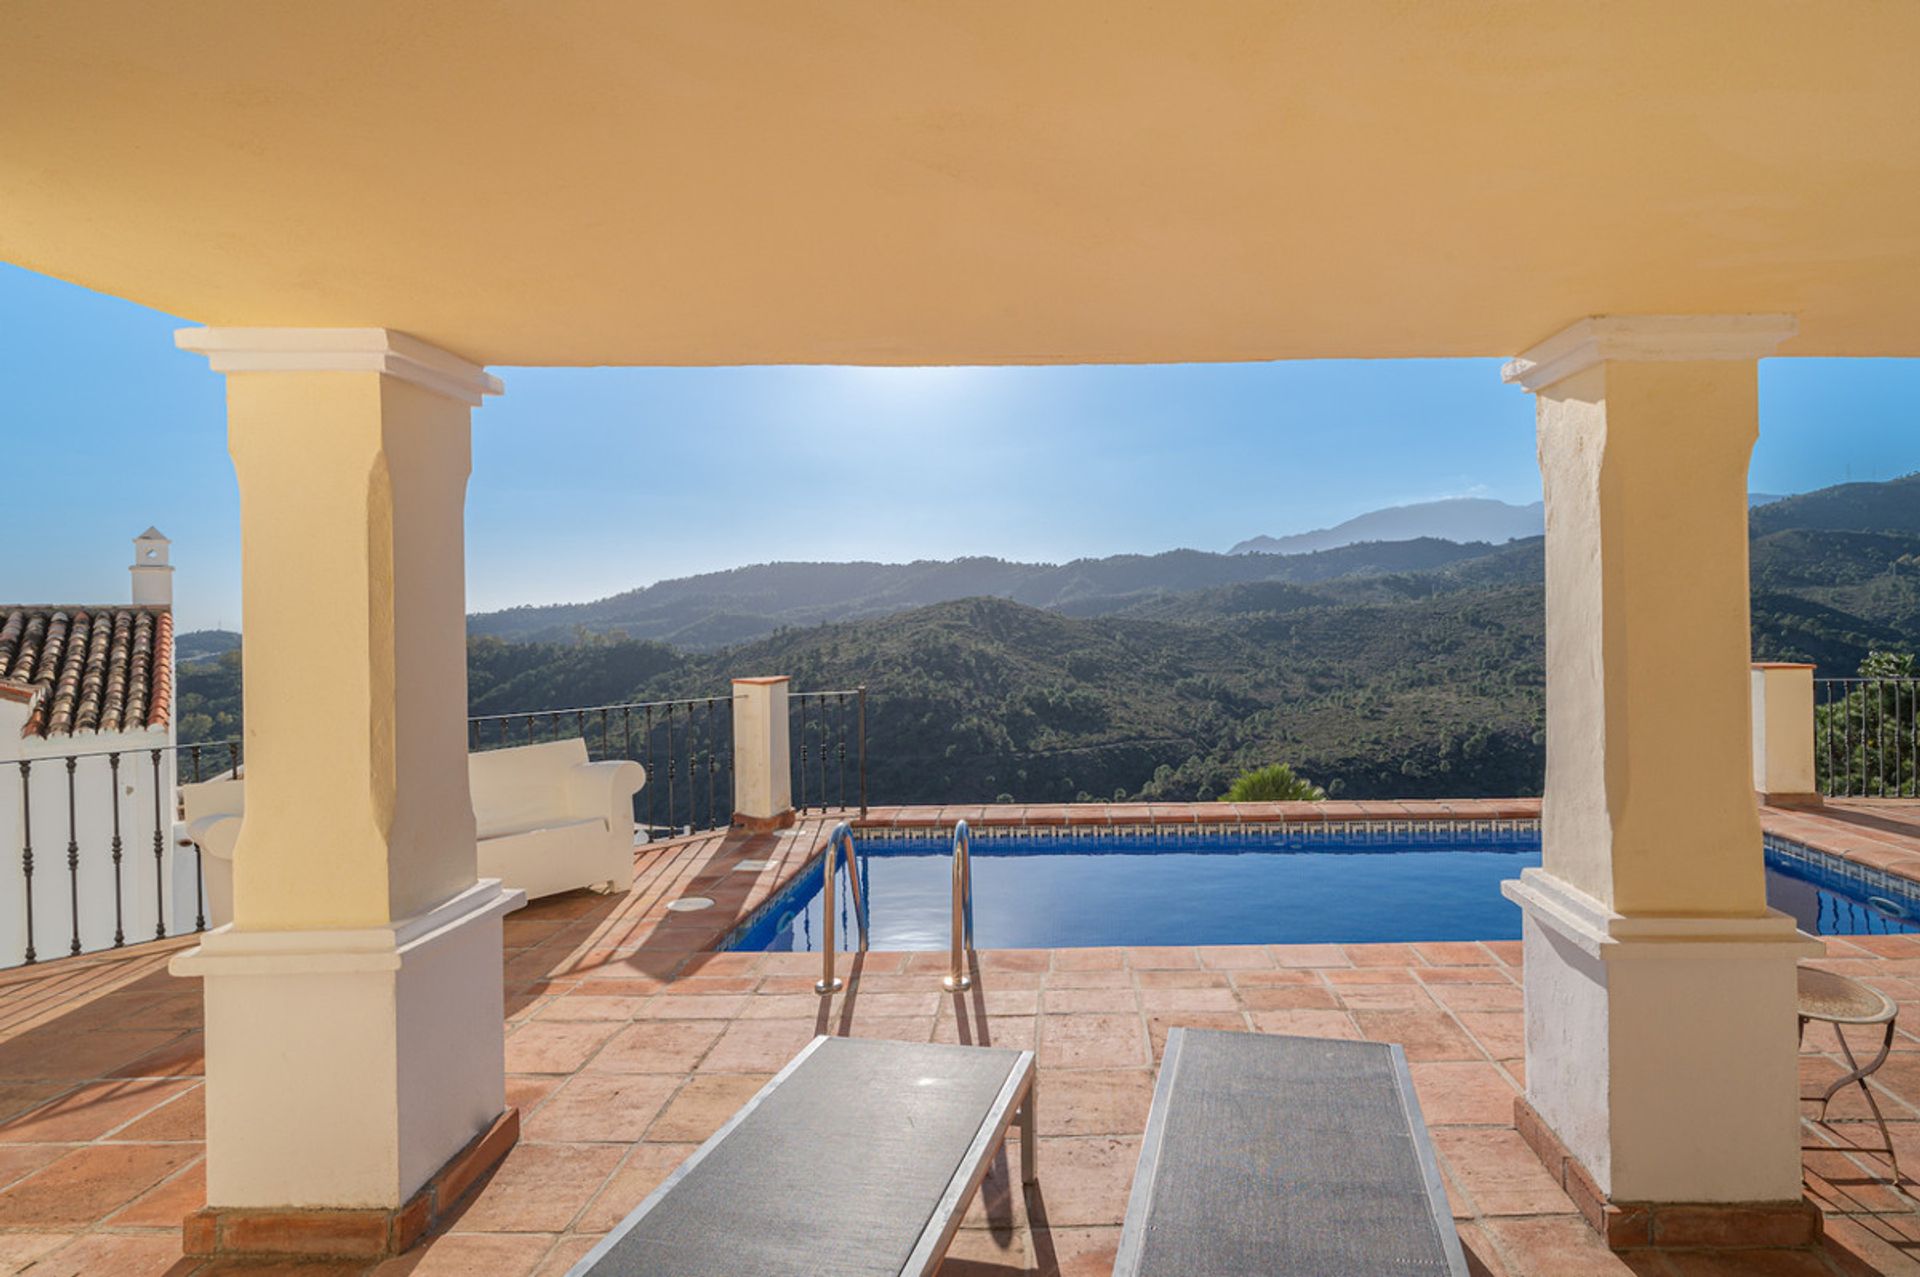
<point x="1783" y="772"/>
<point x="355" y="1044"/>
<point x="762" y="767"/>
<point x="1661" y="1056"/>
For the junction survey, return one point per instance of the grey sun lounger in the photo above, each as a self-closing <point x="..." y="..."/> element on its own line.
<point x="858" y="1158"/>
<point x="1272" y="1156"/>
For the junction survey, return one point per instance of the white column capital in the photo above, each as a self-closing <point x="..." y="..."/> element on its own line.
<point x="380" y="350"/>
<point x="1647" y="338"/>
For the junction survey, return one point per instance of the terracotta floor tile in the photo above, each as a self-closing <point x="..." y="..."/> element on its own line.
<point x="181" y="1118"/>
<point x="639" y="1174"/>
<point x="565" y="1254"/>
<point x="1095" y="1101"/>
<point x="701" y="1105"/>
<point x="600" y="1108"/>
<point x="1090" y="1001"/>
<point x="1084" y="1181"/>
<point x="18" y="1250"/>
<point x="1498" y="1171"/>
<point x="705" y="1006"/>
<point x="540" y="1188"/>
<point x="1090" y="960"/>
<point x="1463" y="953"/>
<point x="1502" y="1033"/>
<point x="1298" y="977"/>
<point x="472" y="1255"/>
<point x="1241" y="957"/>
<point x="42" y="1056"/>
<point x="1092" y="1042"/>
<point x="1425" y="1035"/>
<point x="1160" y="1023"/>
<point x="90" y="1111"/>
<point x="590" y="1007"/>
<point x="1310" y="955"/>
<point x="1075" y="1252"/>
<point x="1162" y="958"/>
<point x="657" y="1046"/>
<point x="17" y="1161"/>
<point x="168" y="1203"/>
<point x="1152" y="1000"/>
<point x="1309" y="1024"/>
<point x="89" y="1183"/>
<point x="758" y="1046"/>
<point x="538" y="1047"/>
<point x="1288" y="997"/>
<point x="1017" y="1033"/>
<point x="1382" y="955"/>
<point x="1464" y="1092"/>
<point x="1478" y="997"/>
<point x="1182" y="979"/>
<point x="1114" y="979"/>
<point x="111" y="1255"/>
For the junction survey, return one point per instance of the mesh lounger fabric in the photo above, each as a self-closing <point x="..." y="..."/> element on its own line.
<point x="835" y="1172"/>
<point x="1284" y="1155"/>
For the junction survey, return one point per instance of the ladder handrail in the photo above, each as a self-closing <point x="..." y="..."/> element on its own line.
<point x="840" y="842"/>
<point x="957" y="978"/>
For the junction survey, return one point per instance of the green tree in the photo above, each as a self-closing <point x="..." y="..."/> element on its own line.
<point x="1275" y="784"/>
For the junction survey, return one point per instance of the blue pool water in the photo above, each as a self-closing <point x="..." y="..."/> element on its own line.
<point x="1238" y="889"/>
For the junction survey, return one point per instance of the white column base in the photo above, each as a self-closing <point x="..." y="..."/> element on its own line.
<point x="344" y="1068"/>
<point x="1662" y="1050"/>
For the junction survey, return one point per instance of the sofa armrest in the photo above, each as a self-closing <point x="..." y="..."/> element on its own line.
<point x="606" y="790"/>
<point x="216" y="834"/>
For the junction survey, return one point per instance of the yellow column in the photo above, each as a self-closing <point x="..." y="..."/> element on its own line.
<point x="352" y="489"/>
<point x="354" y="1019"/>
<point x="1659" y="986"/>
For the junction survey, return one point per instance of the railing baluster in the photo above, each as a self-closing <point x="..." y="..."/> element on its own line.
<point x="646" y="737"/>
<point x="671" y="827"/>
<point x="861" y="692"/>
<point x="840" y="749"/>
<point x="26" y="845"/>
<point x="713" y="769"/>
<point x="119" y="921"/>
<point x="73" y="853"/>
<point x="159" y="862"/>
<point x="803" y="753"/>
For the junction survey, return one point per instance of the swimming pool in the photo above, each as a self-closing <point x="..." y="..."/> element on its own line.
<point x="1052" y="889"/>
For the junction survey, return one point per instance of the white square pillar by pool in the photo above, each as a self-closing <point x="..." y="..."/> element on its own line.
<point x="1783" y="734"/>
<point x="355" y="1038"/>
<point x="762" y="768"/>
<point x="1660" y="1001"/>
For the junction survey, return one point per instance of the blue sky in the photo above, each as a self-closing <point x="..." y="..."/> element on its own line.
<point x="591" y="481"/>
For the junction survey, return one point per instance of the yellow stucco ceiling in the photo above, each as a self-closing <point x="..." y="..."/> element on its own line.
<point x="972" y="181"/>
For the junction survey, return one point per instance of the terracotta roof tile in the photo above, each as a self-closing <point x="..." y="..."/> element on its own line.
<point x="86" y="669"/>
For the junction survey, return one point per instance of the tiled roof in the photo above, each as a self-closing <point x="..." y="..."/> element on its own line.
<point x="88" y="669"/>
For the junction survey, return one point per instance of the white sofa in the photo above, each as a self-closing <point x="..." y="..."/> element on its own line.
<point x="547" y="820"/>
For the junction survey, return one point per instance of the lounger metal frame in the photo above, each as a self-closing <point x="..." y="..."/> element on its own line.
<point x="1015" y="1101"/>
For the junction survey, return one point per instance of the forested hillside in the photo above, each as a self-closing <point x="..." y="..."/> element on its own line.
<point x="1395" y="669"/>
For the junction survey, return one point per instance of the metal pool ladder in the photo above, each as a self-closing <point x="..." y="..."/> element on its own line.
<point x="839" y="842"/>
<point x="957" y="978"/>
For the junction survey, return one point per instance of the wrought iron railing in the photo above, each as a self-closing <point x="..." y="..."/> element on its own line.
<point x="1866" y="737"/>
<point x="685" y="745"/>
<point x="93" y="836"/>
<point x="829" y="728"/>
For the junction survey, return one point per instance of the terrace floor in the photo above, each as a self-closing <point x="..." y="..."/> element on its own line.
<point x="629" y="1043"/>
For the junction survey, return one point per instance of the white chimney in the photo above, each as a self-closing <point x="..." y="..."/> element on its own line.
<point x="152" y="574"/>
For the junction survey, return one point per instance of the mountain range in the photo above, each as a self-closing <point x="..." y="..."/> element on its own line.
<point x="1412" y="668"/>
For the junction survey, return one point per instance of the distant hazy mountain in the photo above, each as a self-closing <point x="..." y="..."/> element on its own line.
<point x="1461" y="519"/>
<point x="204" y="645"/>
<point x="1892" y="506"/>
<point x="1455" y="519"/>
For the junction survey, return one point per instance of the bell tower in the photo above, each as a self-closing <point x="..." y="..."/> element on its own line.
<point x="152" y="574"/>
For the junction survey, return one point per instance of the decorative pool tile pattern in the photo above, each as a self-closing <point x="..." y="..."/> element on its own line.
<point x="630" y="1042"/>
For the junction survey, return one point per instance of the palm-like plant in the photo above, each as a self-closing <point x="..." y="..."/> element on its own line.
<point x="1276" y="784"/>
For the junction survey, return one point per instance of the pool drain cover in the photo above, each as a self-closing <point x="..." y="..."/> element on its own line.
<point x="754" y="866"/>
<point x="687" y="904"/>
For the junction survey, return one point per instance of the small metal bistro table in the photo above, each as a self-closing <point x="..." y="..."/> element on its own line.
<point x="1839" y="1001"/>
